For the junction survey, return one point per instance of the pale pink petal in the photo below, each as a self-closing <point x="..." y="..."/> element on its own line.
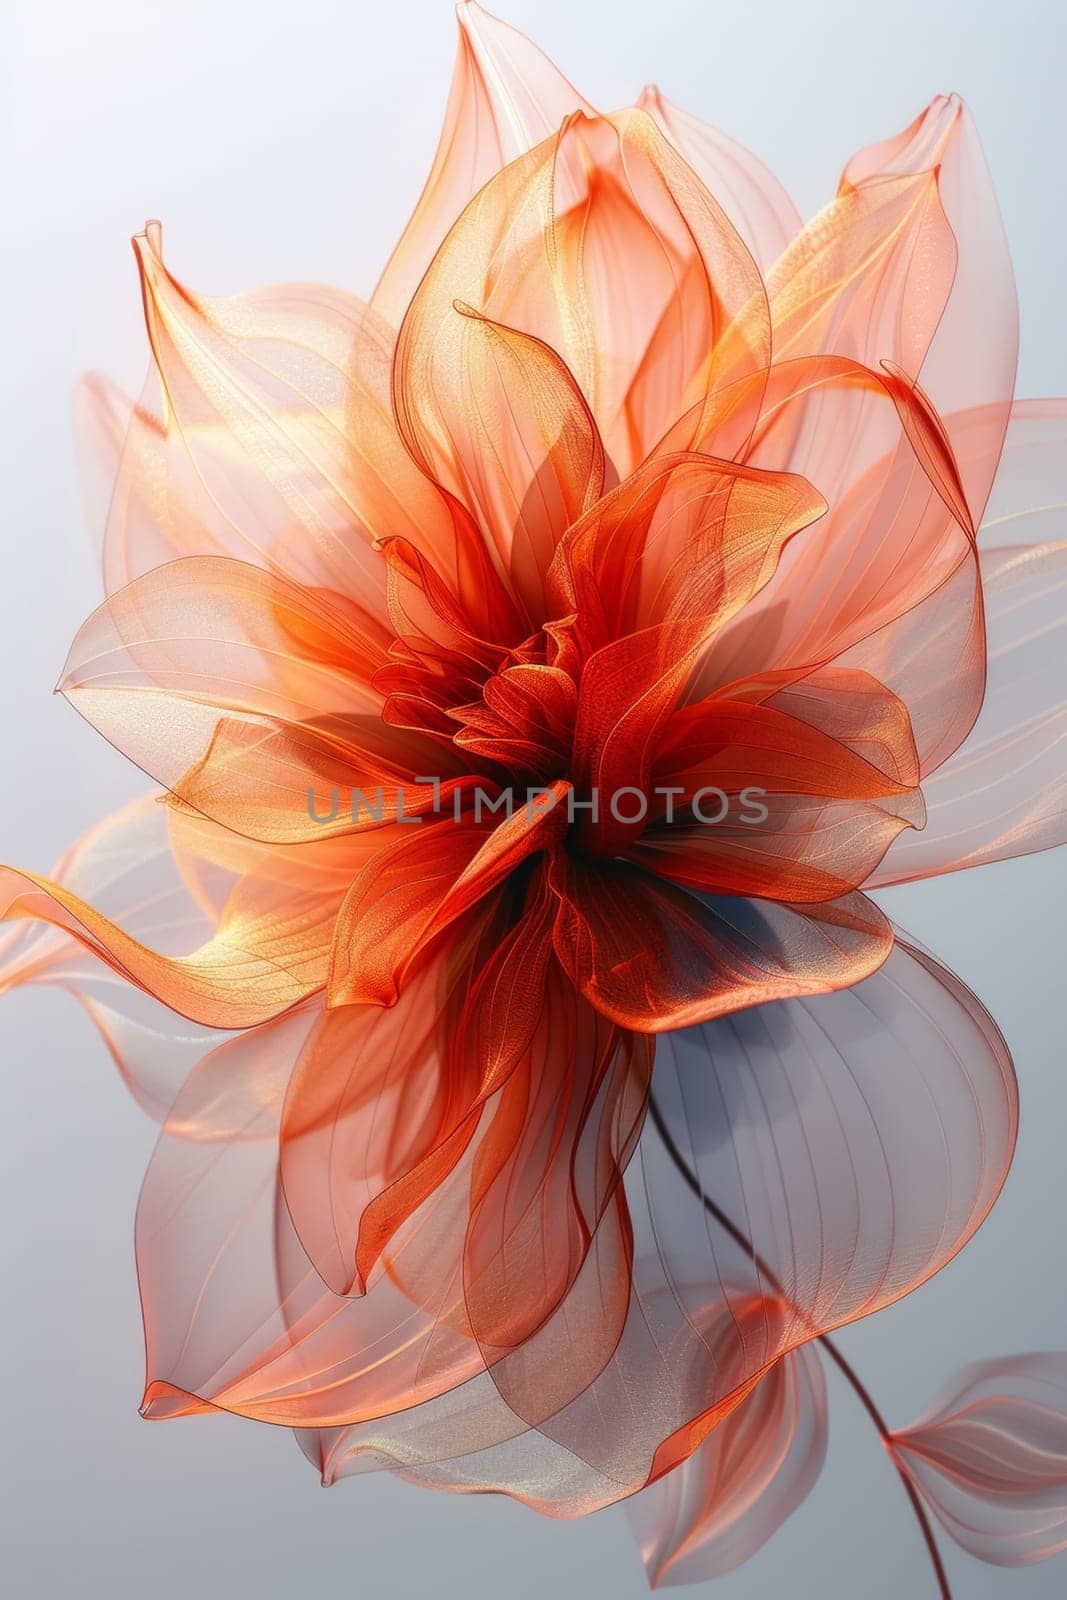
<point x="1028" y="504"/>
<point x="718" y="1508"/>
<point x="127" y="868"/>
<point x="960" y="370"/>
<point x="537" y="252"/>
<point x="991" y="1458"/>
<point x="1004" y="792"/>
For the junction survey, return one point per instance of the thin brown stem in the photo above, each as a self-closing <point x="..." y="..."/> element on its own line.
<point x="835" y="1354"/>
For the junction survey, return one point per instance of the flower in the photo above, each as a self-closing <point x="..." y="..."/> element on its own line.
<point x="438" y="620"/>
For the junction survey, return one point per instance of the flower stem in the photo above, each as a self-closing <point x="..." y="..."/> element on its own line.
<point x="842" y="1363"/>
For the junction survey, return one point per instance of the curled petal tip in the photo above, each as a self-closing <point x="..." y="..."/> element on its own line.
<point x="148" y="244"/>
<point x="155" y="1402"/>
<point x="576" y="119"/>
<point x="148" y="1405"/>
<point x="148" y="250"/>
<point x="162" y="1400"/>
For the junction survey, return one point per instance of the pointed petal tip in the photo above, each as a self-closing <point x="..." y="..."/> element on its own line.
<point x="66" y="683"/>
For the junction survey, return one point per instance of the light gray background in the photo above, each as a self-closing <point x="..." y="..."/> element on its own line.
<point x="287" y="139"/>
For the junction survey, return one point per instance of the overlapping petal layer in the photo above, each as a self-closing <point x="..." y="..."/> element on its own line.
<point x="723" y="1504"/>
<point x="138" y="875"/>
<point x="811" y="1160"/>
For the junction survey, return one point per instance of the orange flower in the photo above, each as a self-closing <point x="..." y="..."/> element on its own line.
<point x="539" y="660"/>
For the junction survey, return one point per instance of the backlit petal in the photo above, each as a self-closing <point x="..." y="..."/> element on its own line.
<point x="958" y="371"/>
<point x="717" y="1509"/>
<point x="991" y="1459"/>
<point x="245" y="693"/>
<point x="1004" y="792"/>
<point x="127" y="868"/>
<point x="654" y="958"/>
<point x="537" y="252"/>
<point x="751" y="196"/>
<point x="506" y="96"/>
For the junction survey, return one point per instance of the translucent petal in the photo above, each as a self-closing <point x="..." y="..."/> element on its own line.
<point x="127" y="867"/>
<point x="751" y="196"/>
<point x="1004" y="792"/>
<point x="506" y="96"/>
<point x="654" y="958"/>
<point x="717" y="1509"/>
<point x="537" y="252"/>
<point x="991" y="1458"/>
<point x="825" y="1156"/>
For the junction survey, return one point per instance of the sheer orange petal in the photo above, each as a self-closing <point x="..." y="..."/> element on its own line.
<point x="508" y="431"/>
<point x="858" y="1139"/>
<point x="383" y="1103"/>
<point x="654" y="958"/>
<point x="225" y="931"/>
<point x="961" y="373"/>
<point x="651" y="575"/>
<point x="126" y="867"/>
<point x="897" y="527"/>
<point x="536" y="252"/>
<point x="236" y="1317"/>
<point x="821" y="775"/>
<point x="410" y="892"/>
<point x="234" y="980"/>
<point x="752" y="197"/>
<point x="1004" y="792"/>
<point x="245" y="694"/>
<point x="279" y="401"/>
<point x="506" y="96"/>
